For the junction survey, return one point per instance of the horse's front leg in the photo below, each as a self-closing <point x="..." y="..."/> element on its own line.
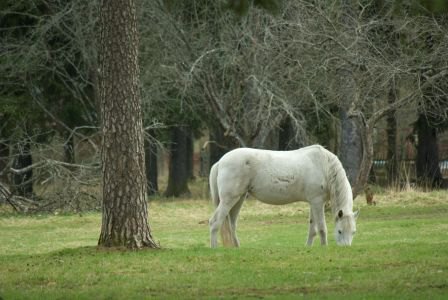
<point x="318" y="214"/>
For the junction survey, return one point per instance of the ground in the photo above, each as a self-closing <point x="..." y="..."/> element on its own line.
<point x="400" y="251"/>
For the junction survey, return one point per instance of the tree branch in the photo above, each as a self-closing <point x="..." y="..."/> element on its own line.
<point x="405" y="100"/>
<point x="51" y="162"/>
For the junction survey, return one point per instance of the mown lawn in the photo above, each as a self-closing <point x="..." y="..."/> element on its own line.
<point x="400" y="252"/>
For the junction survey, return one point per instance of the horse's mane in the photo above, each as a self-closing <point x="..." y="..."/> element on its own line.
<point x="338" y="184"/>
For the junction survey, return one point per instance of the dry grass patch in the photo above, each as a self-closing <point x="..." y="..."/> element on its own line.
<point x="414" y="197"/>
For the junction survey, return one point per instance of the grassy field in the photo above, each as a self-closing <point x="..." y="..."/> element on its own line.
<point x="400" y="252"/>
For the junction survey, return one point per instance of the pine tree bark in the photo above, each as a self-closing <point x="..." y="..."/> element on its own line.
<point x="125" y="214"/>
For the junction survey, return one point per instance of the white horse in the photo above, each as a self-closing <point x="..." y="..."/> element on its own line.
<point x="312" y="174"/>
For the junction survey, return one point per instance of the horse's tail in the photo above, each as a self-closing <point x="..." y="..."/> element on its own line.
<point x="226" y="235"/>
<point x="213" y="181"/>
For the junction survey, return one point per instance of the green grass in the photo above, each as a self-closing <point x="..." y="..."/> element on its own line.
<point x="400" y="251"/>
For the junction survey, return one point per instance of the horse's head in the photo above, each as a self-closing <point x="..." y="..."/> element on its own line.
<point x="345" y="228"/>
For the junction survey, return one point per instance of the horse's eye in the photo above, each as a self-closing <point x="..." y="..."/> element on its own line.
<point x="340" y="232"/>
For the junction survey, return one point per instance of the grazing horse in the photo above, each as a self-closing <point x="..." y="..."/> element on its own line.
<point x="312" y="174"/>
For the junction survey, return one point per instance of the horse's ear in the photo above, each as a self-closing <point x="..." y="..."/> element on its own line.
<point x="356" y="214"/>
<point x="340" y="214"/>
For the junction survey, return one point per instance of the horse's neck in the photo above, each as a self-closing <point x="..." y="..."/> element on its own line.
<point x="342" y="198"/>
<point x="346" y="206"/>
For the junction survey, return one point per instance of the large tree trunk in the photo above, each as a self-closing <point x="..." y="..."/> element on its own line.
<point x="350" y="149"/>
<point x="151" y="158"/>
<point x="366" y="136"/>
<point x="125" y="214"/>
<point x="427" y="162"/>
<point x="23" y="181"/>
<point x="178" y="173"/>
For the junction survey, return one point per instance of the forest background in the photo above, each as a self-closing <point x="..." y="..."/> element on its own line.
<point x="366" y="79"/>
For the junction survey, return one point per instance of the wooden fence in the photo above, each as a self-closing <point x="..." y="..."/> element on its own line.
<point x="407" y="170"/>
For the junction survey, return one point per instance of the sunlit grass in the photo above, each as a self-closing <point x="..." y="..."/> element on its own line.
<point x="400" y="251"/>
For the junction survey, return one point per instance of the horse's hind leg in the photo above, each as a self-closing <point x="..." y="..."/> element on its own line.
<point x="215" y="223"/>
<point x="234" y="212"/>
<point x="312" y="229"/>
<point x="218" y="218"/>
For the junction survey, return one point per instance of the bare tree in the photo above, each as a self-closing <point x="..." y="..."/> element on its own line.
<point x="256" y="72"/>
<point x="352" y="56"/>
<point x="244" y="79"/>
<point x="48" y="53"/>
<point x="234" y="66"/>
<point x="350" y="148"/>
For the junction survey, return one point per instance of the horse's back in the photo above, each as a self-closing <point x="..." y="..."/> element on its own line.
<point x="275" y="177"/>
